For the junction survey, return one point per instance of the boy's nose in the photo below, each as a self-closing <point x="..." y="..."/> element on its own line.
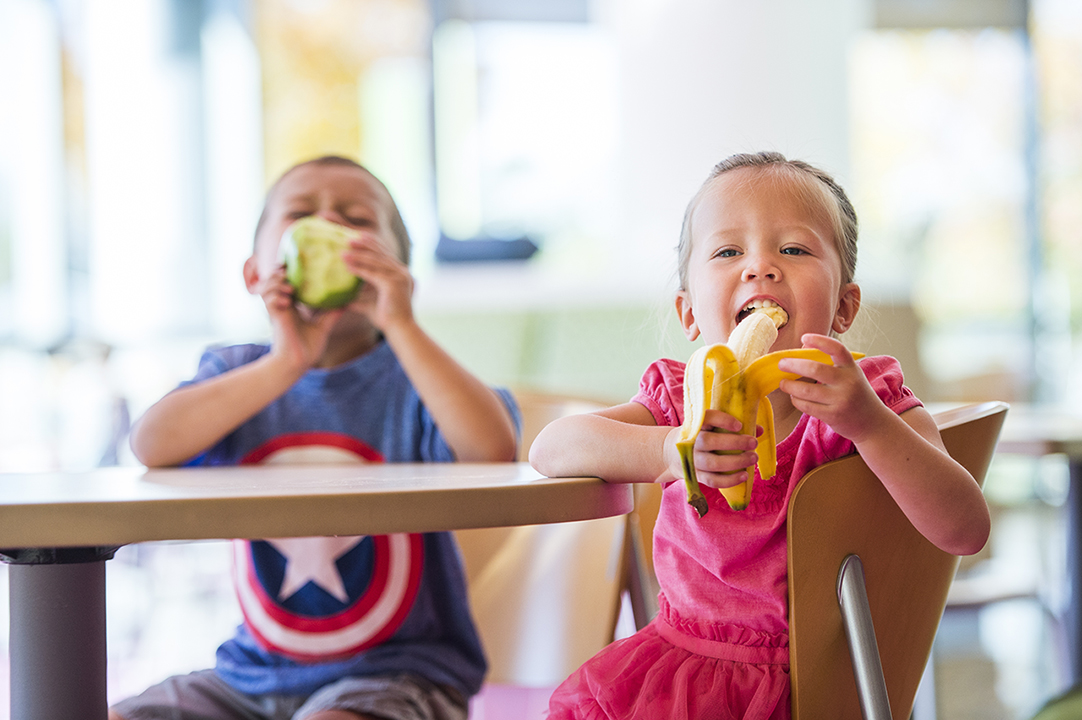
<point x="331" y="216"/>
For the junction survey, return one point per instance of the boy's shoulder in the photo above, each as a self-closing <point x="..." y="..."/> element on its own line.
<point x="234" y="355"/>
<point x="217" y="359"/>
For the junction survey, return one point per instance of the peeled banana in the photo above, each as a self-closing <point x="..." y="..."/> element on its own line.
<point x="735" y="378"/>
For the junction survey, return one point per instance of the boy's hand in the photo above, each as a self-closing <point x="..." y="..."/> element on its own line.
<point x="839" y="394"/>
<point x="299" y="334"/>
<point x="386" y="297"/>
<point x="722" y="454"/>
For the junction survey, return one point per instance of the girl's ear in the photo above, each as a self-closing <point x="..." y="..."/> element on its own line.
<point x="848" y="305"/>
<point x="251" y="275"/>
<point x="687" y="315"/>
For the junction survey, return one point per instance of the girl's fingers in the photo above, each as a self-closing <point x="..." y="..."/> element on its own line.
<point x="728" y="462"/>
<point x="721" y="480"/>
<point x="833" y="347"/>
<point x="718" y="420"/>
<point x="713" y="441"/>
<point x="809" y="370"/>
<point x="805" y="391"/>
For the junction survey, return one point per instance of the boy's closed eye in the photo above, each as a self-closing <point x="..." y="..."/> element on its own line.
<point x="298" y="213"/>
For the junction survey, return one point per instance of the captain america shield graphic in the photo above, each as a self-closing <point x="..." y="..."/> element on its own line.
<point x="329" y="597"/>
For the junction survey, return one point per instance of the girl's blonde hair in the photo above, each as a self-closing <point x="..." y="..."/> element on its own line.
<point x="819" y="190"/>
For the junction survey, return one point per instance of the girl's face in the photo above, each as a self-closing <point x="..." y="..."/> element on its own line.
<point x="342" y="194"/>
<point x="754" y="236"/>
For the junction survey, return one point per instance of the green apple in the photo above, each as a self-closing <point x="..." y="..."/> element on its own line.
<point x="311" y="250"/>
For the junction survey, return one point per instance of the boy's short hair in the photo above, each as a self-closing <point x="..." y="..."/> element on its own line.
<point x="398" y="227"/>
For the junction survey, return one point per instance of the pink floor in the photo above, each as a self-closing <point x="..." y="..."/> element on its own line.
<point x="505" y="702"/>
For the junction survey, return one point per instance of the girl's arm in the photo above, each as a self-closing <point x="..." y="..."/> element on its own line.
<point x="470" y="415"/>
<point x="938" y="495"/>
<point x="623" y="444"/>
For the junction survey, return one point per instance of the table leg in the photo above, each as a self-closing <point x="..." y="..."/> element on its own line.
<point x="1073" y="613"/>
<point x="57" y="640"/>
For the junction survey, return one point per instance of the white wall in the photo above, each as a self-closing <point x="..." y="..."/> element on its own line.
<point x="703" y="79"/>
<point x="699" y="80"/>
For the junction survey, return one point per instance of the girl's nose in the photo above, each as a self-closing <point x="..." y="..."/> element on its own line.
<point x="759" y="268"/>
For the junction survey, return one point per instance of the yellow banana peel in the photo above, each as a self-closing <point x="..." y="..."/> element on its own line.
<point x="715" y="380"/>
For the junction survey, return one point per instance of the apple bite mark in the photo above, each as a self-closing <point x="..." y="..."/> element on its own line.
<point x="311" y="250"/>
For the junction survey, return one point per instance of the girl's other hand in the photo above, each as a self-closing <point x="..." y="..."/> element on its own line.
<point x="387" y="295"/>
<point x="722" y="455"/>
<point x="839" y="394"/>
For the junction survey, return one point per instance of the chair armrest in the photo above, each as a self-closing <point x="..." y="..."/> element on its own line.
<point x="860" y="632"/>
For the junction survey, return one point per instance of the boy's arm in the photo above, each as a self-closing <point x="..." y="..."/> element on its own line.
<point x="195" y="417"/>
<point x="470" y="415"/>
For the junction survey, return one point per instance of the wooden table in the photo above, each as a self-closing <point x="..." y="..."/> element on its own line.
<point x="1036" y="430"/>
<point x="59" y="529"/>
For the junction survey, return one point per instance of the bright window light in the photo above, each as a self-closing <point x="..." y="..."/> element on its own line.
<point x="527" y="130"/>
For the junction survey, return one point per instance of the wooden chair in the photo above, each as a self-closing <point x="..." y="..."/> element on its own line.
<point x="850" y="543"/>
<point x="545" y="597"/>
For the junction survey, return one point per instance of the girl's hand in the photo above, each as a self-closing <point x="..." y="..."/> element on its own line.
<point x="839" y="395"/>
<point x="722" y="455"/>
<point x="299" y="334"/>
<point x="386" y="297"/>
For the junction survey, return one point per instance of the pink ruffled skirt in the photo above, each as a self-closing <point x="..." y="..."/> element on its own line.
<point x="661" y="672"/>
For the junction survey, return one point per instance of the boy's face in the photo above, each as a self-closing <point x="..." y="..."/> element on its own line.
<point x="342" y="194"/>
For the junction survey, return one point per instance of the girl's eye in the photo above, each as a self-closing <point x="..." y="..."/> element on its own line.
<point x="726" y="253"/>
<point x="360" y="221"/>
<point x="793" y="251"/>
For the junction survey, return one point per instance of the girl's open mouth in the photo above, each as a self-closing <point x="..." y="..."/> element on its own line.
<point x="768" y="307"/>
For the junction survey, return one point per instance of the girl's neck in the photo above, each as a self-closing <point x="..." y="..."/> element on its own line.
<point x="786" y="416"/>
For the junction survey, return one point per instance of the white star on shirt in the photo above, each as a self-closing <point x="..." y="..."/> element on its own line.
<point x="313" y="559"/>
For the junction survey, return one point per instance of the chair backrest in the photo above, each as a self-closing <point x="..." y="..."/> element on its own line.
<point x="839" y="509"/>
<point x="539" y="408"/>
<point x="545" y="598"/>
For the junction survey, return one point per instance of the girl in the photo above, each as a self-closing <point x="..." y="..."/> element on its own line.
<point x="762" y="230"/>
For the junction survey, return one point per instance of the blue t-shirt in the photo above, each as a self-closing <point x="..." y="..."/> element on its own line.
<point x="319" y="609"/>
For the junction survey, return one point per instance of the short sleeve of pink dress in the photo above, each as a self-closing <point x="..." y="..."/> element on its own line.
<point x="719" y="647"/>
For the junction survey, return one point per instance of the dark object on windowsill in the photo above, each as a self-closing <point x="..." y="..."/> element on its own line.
<point x="484" y="249"/>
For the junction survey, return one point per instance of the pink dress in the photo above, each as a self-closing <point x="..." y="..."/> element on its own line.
<point x="719" y="647"/>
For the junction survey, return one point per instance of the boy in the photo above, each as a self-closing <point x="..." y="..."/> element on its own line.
<point x="365" y="383"/>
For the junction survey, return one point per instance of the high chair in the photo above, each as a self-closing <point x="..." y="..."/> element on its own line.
<point x="866" y="590"/>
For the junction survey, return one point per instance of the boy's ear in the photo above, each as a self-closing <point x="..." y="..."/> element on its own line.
<point x="848" y="305"/>
<point x="687" y="315"/>
<point x="251" y="275"/>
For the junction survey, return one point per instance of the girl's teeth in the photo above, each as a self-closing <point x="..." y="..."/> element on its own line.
<point x="770" y="308"/>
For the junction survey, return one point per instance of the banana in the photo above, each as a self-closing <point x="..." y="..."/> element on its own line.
<point x="735" y="378"/>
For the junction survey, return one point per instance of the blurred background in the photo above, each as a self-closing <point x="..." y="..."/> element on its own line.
<point x="137" y="138"/>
